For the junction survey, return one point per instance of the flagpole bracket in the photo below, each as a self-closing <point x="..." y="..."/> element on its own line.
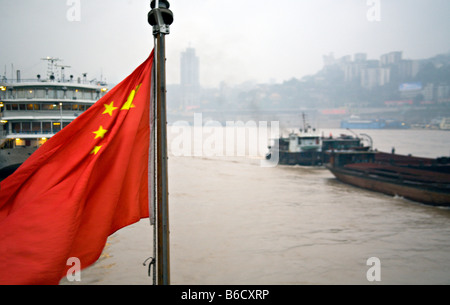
<point x="152" y="263"/>
<point x="161" y="29"/>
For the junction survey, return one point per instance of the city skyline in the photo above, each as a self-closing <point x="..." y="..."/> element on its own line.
<point x="349" y="63"/>
<point x="256" y="41"/>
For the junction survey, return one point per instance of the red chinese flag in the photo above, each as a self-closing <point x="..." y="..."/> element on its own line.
<point x="85" y="183"/>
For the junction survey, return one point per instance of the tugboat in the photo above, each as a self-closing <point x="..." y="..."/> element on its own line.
<point x="302" y="148"/>
<point x="32" y="111"/>
<point x="308" y="148"/>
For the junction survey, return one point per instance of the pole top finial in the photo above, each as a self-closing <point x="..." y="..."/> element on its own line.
<point x="162" y="4"/>
<point x="160" y="17"/>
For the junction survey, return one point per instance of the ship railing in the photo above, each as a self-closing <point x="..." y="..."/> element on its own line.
<point x="28" y="100"/>
<point x="38" y="132"/>
<point x="65" y="81"/>
<point x="47" y="112"/>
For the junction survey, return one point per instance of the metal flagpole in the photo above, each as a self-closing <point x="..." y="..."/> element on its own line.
<point x="160" y="17"/>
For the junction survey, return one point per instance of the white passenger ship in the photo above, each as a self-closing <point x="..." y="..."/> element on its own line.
<point x="32" y="111"/>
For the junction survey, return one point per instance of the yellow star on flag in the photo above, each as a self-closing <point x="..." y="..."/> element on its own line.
<point x="100" y="133"/>
<point x="95" y="150"/>
<point x="109" y="108"/>
<point x="129" y="103"/>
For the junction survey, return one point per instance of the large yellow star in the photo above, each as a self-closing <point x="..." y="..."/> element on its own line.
<point x="100" y="133"/>
<point x="109" y="108"/>
<point x="129" y="103"/>
<point x="95" y="150"/>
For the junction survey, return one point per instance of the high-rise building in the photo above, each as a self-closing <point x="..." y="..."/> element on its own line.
<point x="189" y="78"/>
<point x="392" y="58"/>
<point x="360" y="57"/>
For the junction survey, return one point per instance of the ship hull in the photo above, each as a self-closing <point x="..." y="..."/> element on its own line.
<point x="307" y="158"/>
<point x="374" y="124"/>
<point x="13" y="156"/>
<point x="362" y="125"/>
<point x="427" y="194"/>
<point x="11" y="159"/>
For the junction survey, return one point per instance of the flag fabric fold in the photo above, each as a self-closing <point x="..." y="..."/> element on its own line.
<point x="88" y="181"/>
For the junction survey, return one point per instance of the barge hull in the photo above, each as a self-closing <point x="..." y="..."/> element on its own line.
<point x="426" y="195"/>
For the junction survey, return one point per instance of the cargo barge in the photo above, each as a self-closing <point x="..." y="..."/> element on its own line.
<point x="418" y="179"/>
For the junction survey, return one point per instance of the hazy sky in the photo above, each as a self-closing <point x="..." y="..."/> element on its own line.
<point x="236" y="40"/>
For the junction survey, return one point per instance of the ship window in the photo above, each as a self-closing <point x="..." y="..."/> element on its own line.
<point x="26" y="127"/>
<point x="15" y="127"/>
<point x="78" y="94"/>
<point x="30" y="106"/>
<point x="11" y="93"/>
<point x="81" y="107"/>
<point x="36" y="127"/>
<point x="20" y="93"/>
<point x="60" y="94"/>
<point x="74" y="107"/>
<point x="67" y="106"/>
<point x="14" y="107"/>
<point x="40" y="93"/>
<point x="20" y="142"/>
<point x="46" y="127"/>
<point x="87" y="95"/>
<point x="49" y="107"/>
<point x="56" y="126"/>
<point x="69" y="94"/>
<point x="30" y="93"/>
<point x="52" y="93"/>
<point x="22" y="106"/>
